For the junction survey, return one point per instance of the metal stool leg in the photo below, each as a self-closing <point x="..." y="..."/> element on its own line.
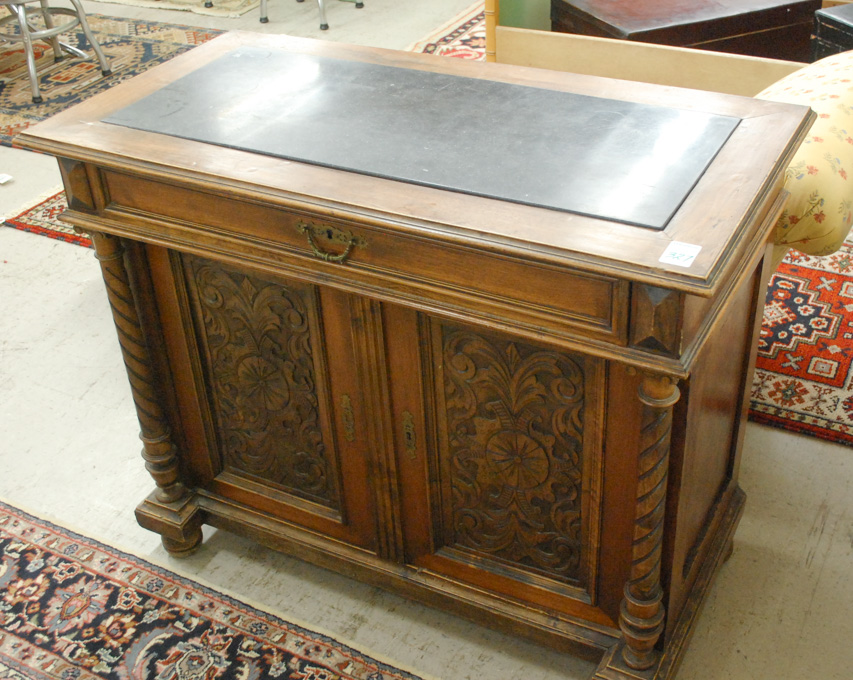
<point x="324" y="25"/>
<point x="102" y="59"/>
<point x="21" y="13"/>
<point x="54" y="40"/>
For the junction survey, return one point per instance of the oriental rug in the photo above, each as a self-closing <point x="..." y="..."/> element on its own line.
<point x="803" y="377"/>
<point x="43" y="219"/>
<point x="463" y="37"/>
<point x="132" y="46"/>
<point x="218" y="8"/>
<point x="72" y="608"/>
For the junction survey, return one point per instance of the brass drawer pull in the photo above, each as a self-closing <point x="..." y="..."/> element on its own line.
<point x="313" y="231"/>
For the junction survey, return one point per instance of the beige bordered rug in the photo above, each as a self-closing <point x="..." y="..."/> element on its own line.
<point x="220" y="8"/>
<point x="463" y="37"/>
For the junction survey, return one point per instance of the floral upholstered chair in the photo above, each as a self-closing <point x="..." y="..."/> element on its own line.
<point x="819" y="213"/>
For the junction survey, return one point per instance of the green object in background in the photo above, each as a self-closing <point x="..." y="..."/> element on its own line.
<point x="526" y="14"/>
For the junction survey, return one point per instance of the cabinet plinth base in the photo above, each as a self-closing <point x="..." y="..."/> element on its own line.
<point x="613" y="666"/>
<point x="179" y="523"/>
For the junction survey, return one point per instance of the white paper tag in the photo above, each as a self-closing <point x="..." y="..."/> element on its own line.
<point x="5" y="178"/>
<point x="680" y="254"/>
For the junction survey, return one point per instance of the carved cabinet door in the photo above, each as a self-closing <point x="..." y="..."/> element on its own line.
<point x="500" y="460"/>
<point x="270" y="396"/>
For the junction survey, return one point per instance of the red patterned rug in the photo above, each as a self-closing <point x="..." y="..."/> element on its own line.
<point x="803" y="374"/>
<point x="463" y="37"/>
<point x="43" y="219"/>
<point x="72" y="608"/>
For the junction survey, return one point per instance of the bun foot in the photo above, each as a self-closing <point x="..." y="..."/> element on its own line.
<point x="183" y="548"/>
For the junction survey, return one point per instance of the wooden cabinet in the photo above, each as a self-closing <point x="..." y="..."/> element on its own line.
<point x="773" y="29"/>
<point x="523" y="415"/>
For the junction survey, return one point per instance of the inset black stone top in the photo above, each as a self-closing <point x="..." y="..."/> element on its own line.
<point x="599" y="157"/>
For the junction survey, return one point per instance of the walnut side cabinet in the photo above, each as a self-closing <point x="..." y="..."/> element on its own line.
<point x="518" y="414"/>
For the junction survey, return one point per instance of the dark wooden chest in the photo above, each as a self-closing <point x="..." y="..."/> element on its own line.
<point x="833" y="31"/>
<point x="777" y="29"/>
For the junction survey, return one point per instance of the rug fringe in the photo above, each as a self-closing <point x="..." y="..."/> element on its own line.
<point x="31" y="203"/>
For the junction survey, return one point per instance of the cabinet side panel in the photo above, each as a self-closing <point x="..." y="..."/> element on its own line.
<point x="704" y="478"/>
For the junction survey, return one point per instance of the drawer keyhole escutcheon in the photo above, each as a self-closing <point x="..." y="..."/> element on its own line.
<point x="409" y="437"/>
<point x="348" y="418"/>
<point x="313" y="232"/>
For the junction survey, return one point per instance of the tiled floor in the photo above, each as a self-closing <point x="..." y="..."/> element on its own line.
<point x="780" y="609"/>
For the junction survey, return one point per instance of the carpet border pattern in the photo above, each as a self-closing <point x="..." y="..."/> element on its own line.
<point x="463" y="37"/>
<point x="43" y="219"/>
<point x="55" y="555"/>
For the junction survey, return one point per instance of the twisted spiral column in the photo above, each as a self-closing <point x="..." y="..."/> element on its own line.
<point x="642" y="613"/>
<point x="159" y="450"/>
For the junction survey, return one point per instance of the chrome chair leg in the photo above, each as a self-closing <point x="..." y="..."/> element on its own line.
<point x="54" y="40"/>
<point x="84" y="24"/>
<point x="20" y="11"/>
<point x="48" y="30"/>
<point x="324" y="24"/>
<point x="70" y="49"/>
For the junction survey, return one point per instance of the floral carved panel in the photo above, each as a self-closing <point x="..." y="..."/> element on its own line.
<point x="514" y="434"/>
<point x="255" y="337"/>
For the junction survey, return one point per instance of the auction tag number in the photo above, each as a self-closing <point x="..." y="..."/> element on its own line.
<point x="680" y="254"/>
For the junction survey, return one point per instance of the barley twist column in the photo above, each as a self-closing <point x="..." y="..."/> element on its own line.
<point x="642" y="613"/>
<point x="158" y="450"/>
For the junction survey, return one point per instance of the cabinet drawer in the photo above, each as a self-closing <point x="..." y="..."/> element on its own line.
<point x="416" y="266"/>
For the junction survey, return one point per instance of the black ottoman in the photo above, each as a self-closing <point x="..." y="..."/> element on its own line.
<point x="833" y="31"/>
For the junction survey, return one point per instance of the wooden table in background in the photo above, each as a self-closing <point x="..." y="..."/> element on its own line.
<point x="518" y="414"/>
<point x="774" y="29"/>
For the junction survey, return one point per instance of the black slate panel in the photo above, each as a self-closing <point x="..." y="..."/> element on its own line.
<point x="605" y="158"/>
